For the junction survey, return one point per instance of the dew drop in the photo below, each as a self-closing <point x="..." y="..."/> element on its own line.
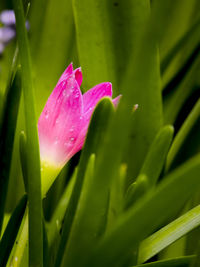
<point x="76" y="95"/>
<point x="71" y="138"/>
<point x="57" y="121"/>
<point x="81" y="117"/>
<point x="46" y="114"/>
<point x="64" y="92"/>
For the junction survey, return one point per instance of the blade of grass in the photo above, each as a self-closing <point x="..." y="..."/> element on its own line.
<point x="45" y="246"/>
<point x="117" y="191"/>
<point x="55" y="33"/>
<point x="157" y="153"/>
<point x="152" y="166"/>
<point x="146" y="93"/>
<point x="172" y="192"/>
<point x="183" y="133"/>
<point x="33" y="158"/>
<point x="186" y="11"/>
<point x="82" y="223"/>
<point x="191" y="35"/>
<point x="55" y="225"/>
<point x="96" y="132"/>
<point x="169" y="234"/>
<point x="174" y="101"/>
<point x="7" y="137"/>
<point x="18" y="251"/>
<point x="11" y="231"/>
<point x="136" y="190"/>
<point x="23" y="159"/>
<point x="106" y="21"/>
<point x="177" y="262"/>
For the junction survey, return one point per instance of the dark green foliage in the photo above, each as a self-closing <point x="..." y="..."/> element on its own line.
<point x="134" y="189"/>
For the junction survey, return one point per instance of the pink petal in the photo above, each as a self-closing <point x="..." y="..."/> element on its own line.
<point x="80" y="140"/>
<point x="92" y="97"/>
<point x="116" y="100"/>
<point x="59" y="124"/>
<point x="66" y="73"/>
<point x="78" y="76"/>
<point x="85" y="120"/>
<point x="87" y="117"/>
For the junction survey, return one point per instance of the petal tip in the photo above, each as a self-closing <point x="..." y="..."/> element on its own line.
<point x="78" y="75"/>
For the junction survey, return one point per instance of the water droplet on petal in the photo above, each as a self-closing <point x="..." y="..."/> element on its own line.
<point x="81" y="117"/>
<point x="46" y="114"/>
<point x="57" y="121"/>
<point x="64" y="92"/>
<point x="71" y="138"/>
<point x="76" y="95"/>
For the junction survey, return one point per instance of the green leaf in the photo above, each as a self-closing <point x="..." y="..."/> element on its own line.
<point x="96" y="132"/>
<point x="52" y="42"/>
<point x="169" y="234"/>
<point x="182" y="17"/>
<point x="178" y="22"/>
<point x="98" y="28"/>
<point x="157" y="153"/>
<point x="56" y="224"/>
<point x="174" y="101"/>
<point x="136" y="190"/>
<point x="183" y="133"/>
<point x="152" y="166"/>
<point x="87" y="222"/>
<point x="9" y="121"/>
<point x="33" y="157"/>
<point x="20" y="248"/>
<point x="23" y="158"/>
<point x="116" y="199"/>
<point x="142" y="86"/>
<point x="177" y="262"/>
<point x="172" y="192"/>
<point x="45" y="246"/>
<point x="192" y="35"/>
<point x="11" y="231"/>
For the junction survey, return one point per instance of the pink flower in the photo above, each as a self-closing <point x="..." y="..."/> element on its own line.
<point x="64" y="121"/>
